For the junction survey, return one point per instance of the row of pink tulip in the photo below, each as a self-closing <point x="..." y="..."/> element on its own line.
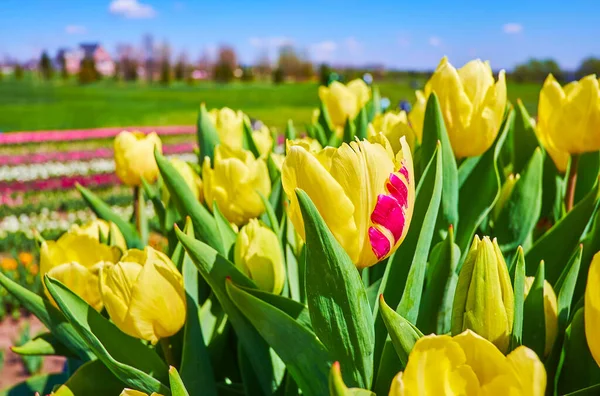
<point x="82" y="155"/>
<point x="87" y="134"/>
<point x="60" y="183"/>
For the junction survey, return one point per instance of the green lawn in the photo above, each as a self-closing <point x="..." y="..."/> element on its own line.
<point x="37" y="105"/>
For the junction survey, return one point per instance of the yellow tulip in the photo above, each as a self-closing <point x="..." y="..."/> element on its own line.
<point x="592" y="308"/>
<point x="143" y="294"/>
<point x="309" y="144"/>
<point x="101" y="228"/>
<point x="191" y="178"/>
<point x="364" y="193"/>
<point x="229" y="125"/>
<point x="132" y="392"/>
<point x="466" y="365"/>
<point x="393" y="126"/>
<point x="75" y="260"/>
<point x="278" y="160"/>
<point x="134" y="157"/>
<point x="344" y="101"/>
<point x="471" y="102"/>
<point x="257" y="254"/>
<point x="484" y="300"/>
<point x="550" y="312"/>
<point x="569" y="118"/>
<point x="263" y="139"/>
<point x="235" y="182"/>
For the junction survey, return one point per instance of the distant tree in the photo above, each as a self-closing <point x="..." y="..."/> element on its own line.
<point x="45" y="66"/>
<point x="87" y="71"/>
<point x="247" y="74"/>
<point x="536" y="70"/>
<point x="64" y="73"/>
<point x="129" y="68"/>
<point x="165" y="71"/>
<point x="263" y="67"/>
<point x="180" y="70"/>
<point x="589" y="66"/>
<point x="306" y="71"/>
<point x="19" y="72"/>
<point x="289" y="61"/>
<point x="325" y="74"/>
<point x="278" y="76"/>
<point x="226" y="64"/>
<point x="117" y="71"/>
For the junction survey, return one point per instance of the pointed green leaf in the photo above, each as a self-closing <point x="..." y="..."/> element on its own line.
<point x="305" y="357"/>
<point x="270" y="215"/>
<point x="204" y="223"/>
<point x="320" y="134"/>
<point x="557" y="244"/>
<point x="434" y="131"/>
<point x="565" y="288"/>
<point x="524" y="138"/>
<point x="402" y="332"/>
<point x="290" y="131"/>
<point x="91" y="379"/>
<point x="324" y="121"/>
<point x="521" y="211"/>
<point x="228" y="235"/>
<point x="126" y="357"/>
<point x="207" y="134"/>
<point x="374" y="104"/>
<point x="44" y="344"/>
<point x="534" y="327"/>
<point x="349" y="131"/>
<point x="103" y="210"/>
<point x="518" y="265"/>
<point x="337" y="387"/>
<point x="480" y="190"/>
<point x="362" y="126"/>
<point x="52" y="318"/>
<point x="337" y="299"/>
<point x="177" y="386"/>
<point x="588" y="167"/>
<point x="274" y="173"/>
<point x="249" y="143"/>
<point x="215" y="269"/>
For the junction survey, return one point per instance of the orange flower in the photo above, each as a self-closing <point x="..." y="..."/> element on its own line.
<point x="34" y="269"/>
<point x="8" y="264"/>
<point x="25" y="258"/>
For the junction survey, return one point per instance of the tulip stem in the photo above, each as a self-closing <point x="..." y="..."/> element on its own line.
<point x="571" y="182"/>
<point x="167" y="350"/>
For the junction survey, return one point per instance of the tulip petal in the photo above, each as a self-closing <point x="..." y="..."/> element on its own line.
<point x="303" y="170"/>
<point x="550" y="107"/>
<point x="477" y="79"/>
<point x="116" y="283"/>
<point x="531" y="371"/>
<point x="592" y="308"/>
<point x="81" y="280"/>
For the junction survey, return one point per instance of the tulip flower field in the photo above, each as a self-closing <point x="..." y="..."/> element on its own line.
<point x="453" y="250"/>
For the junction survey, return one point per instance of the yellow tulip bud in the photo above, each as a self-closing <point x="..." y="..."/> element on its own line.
<point x="468" y="364"/>
<point x="191" y="178"/>
<point x="263" y="139"/>
<point x="75" y="260"/>
<point x="471" y="102"/>
<point x="344" y="101"/>
<point x="364" y="192"/>
<point x="393" y="126"/>
<point x="235" y="182"/>
<point x="101" y="228"/>
<point x="569" y="118"/>
<point x="550" y="312"/>
<point x="309" y="144"/>
<point x="230" y="126"/>
<point x="505" y="193"/>
<point x="484" y="300"/>
<point x="134" y="157"/>
<point x="592" y="308"/>
<point x="257" y="254"/>
<point x="144" y="295"/>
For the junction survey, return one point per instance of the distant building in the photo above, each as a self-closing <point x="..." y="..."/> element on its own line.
<point x="104" y="63"/>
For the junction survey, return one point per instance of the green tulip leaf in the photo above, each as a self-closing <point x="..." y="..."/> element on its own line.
<point x="290" y="131"/>
<point x="403" y="333"/>
<point x="517" y="270"/>
<point x="337" y="387"/>
<point x="305" y="357"/>
<point x="349" y="131"/>
<point x="177" y="386"/>
<point x="534" y="322"/>
<point x="228" y="235"/>
<point x="324" y="121"/>
<point x="51" y="317"/>
<point x="525" y="141"/>
<point x="45" y="344"/>
<point x="42" y="384"/>
<point x="337" y="300"/>
<point x="131" y="361"/>
<point x="588" y="168"/>
<point x="565" y="288"/>
<point x="103" y="210"/>
<point x="207" y="134"/>
<point x="362" y="124"/>
<point x="91" y="379"/>
<point x="249" y="143"/>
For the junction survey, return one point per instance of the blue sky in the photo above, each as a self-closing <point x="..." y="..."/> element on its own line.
<point x="396" y="33"/>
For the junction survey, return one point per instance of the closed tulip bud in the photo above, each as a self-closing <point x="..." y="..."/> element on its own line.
<point x="75" y="260"/>
<point x="144" y="295"/>
<point x="484" y="300"/>
<point x="468" y="364"/>
<point x="344" y="101"/>
<point x="234" y="183"/>
<point x="393" y="126"/>
<point x="569" y="118"/>
<point x="229" y="125"/>
<point x="258" y="255"/>
<point x="550" y="312"/>
<point x="592" y="308"/>
<point x="471" y="102"/>
<point x="505" y="193"/>
<point x="362" y="190"/>
<point x="263" y="139"/>
<point x="101" y="230"/>
<point x="134" y="157"/>
<point x="191" y="178"/>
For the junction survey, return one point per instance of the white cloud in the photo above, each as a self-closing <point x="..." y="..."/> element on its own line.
<point x="131" y="9"/>
<point x="512" y="28"/>
<point x="270" y="42"/>
<point x="435" y="41"/>
<point x="353" y="46"/>
<point x="323" y="51"/>
<point x="75" y="29"/>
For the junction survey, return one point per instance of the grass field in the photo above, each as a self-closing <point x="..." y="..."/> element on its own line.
<point x="37" y="105"/>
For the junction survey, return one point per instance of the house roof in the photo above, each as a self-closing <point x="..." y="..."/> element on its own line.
<point x="89" y="49"/>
